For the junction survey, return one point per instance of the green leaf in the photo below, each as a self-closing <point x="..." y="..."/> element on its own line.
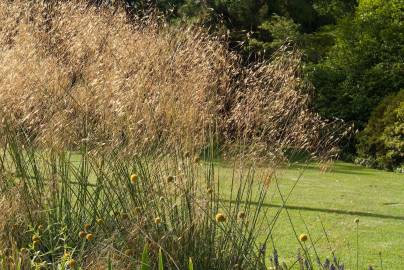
<point x="190" y="264"/>
<point x="161" y="267"/>
<point x="109" y="263"/>
<point x="145" y="265"/>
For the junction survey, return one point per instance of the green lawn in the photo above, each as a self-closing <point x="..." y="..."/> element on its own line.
<point x="337" y="197"/>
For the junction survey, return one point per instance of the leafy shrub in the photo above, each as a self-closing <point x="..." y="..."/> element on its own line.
<point x="381" y="144"/>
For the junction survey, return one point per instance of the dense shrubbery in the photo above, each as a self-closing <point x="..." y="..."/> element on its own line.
<point x="381" y="143"/>
<point x="364" y="65"/>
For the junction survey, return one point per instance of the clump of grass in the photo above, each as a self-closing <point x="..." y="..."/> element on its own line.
<point x="74" y="73"/>
<point x="179" y="217"/>
<point x="104" y="120"/>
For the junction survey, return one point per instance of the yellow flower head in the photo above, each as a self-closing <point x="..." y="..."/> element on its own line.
<point x="157" y="220"/>
<point x="82" y="234"/>
<point x="99" y="221"/>
<point x="36" y="238"/>
<point x="241" y="215"/>
<point x="71" y="263"/>
<point x="89" y="236"/>
<point x="303" y="237"/>
<point x="87" y="226"/>
<point x="133" y="178"/>
<point x="220" y="218"/>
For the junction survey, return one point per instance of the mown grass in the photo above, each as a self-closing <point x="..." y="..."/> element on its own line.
<point x="336" y="198"/>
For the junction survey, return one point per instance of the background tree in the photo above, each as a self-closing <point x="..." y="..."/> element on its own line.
<point x="364" y="65"/>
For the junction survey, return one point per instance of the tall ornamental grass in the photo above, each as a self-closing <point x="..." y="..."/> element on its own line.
<point x="110" y="129"/>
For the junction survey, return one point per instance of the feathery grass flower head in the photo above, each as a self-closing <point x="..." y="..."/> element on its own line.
<point x="220" y="217"/>
<point x="303" y="237"/>
<point x="82" y="234"/>
<point x="133" y="178"/>
<point x="241" y="215"/>
<point x="157" y="220"/>
<point x="356" y="220"/>
<point x="89" y="236"/>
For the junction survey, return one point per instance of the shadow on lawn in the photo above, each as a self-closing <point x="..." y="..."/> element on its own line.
<point x="331" y="211"/>
<point x="337" y="168"/>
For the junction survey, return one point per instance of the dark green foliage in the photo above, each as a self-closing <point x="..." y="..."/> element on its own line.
<point x="365" y="63"/>
<point x="381" y="143"/>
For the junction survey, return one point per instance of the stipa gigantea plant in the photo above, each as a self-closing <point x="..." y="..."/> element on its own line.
<point x="140" y="103"/>
<point x="72" y="72"/>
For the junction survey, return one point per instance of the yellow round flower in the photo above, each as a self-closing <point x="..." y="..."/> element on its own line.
<point x="133" y="178"/>
<point x="99" y="221"/>
<point x="87" y="226"/>
<point x="157" y="220"/>
<point x="241" y="215"/>
<point x="71" y="263"/>
<point x="82" y="234"/>
<point x="220" y="218"/>
<point x="303" y="237"/>
<point x="89" y="236"/>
